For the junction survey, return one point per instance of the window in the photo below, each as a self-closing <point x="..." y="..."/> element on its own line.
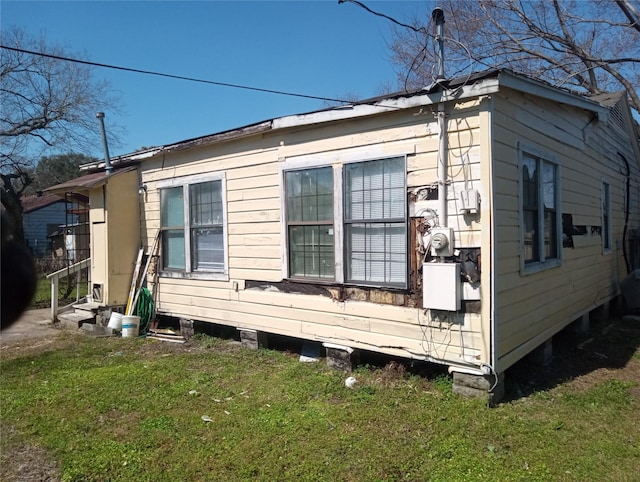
<point x="539" y="208"/>
<point x="606" y="216"/>
<point x="375" y="231"/>
<point x="310" y="222"/>
<point x="172" y="222"/>
<point x="192" y="225"/>
<point x="358" y="238"/>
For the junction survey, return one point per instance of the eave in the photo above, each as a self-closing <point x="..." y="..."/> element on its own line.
<point x="475" y="85"/>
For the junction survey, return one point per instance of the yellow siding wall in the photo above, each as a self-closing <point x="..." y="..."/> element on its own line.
<point x="115" y="235"/>
<point x="255" y="241"/>
<point x="123" y="225"/>
<point x="530" y="308"/>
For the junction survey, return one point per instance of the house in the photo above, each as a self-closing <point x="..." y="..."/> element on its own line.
<point x="56" y="225"/>
<point x="464" y="224"/>
<point x="47" y="216"/>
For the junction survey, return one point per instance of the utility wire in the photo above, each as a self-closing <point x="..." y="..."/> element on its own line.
<point x="191" y="79"/>
<point x="423" y="31"/>
<point x="362" y="5"/>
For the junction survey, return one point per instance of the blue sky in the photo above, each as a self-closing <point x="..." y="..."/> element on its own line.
<point x="318" y="48"/>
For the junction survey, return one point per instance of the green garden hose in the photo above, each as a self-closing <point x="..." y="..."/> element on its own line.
<point x="144" y="309"/>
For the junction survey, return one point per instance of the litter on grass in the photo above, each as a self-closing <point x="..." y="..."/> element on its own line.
<point x="350" y="382"/>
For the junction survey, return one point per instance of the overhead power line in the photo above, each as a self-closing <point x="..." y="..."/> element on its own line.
<point x="180" y="77"/>
<point x="397" y="22"/>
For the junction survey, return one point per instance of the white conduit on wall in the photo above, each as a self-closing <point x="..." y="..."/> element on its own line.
<point x="442" y="167"/>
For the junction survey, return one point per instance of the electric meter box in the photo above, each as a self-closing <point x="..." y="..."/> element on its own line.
<point x="441" y="286"/>
<point x="441" y="240"/>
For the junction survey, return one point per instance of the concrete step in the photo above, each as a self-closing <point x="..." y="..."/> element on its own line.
<point x="74" y="320"/>
<point x="90" y="308"/>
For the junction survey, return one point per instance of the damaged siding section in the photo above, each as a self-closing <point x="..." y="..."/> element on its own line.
<point x="533" y="306"/>
<point x="258" y="293"/>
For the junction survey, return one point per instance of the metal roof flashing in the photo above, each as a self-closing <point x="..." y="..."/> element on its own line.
<point x="85" y="183"/>
<point x="474" y="85"/>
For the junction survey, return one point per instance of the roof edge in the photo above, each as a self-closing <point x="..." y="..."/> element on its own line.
<point x="538" y="88"/>
<point x="476" y="84"/>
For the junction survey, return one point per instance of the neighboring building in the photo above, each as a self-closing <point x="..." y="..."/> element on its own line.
<point x="56" y="226"/>
<point x="464" y="224"/>
<point x="43" y="215"/>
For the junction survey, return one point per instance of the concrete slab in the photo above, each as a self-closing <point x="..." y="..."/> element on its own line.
<point x="32" y="324"/>
<point x="75" y="320"/>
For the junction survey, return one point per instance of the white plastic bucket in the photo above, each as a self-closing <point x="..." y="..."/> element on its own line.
<point x="130" y="326"/>
<point x="115" y="321"/>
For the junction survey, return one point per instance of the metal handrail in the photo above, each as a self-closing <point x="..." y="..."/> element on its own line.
<point x="55" y="281"/>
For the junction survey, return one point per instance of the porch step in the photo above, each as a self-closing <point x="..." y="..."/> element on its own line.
<point x="74" y="320"/>
<point x="88" y="308"/>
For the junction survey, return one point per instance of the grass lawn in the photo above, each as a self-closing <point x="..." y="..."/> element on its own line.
<point x="42" y="296"/>
<point x="77" y="408"/>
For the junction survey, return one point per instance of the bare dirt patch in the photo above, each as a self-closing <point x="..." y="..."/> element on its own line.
<point x="24" y="462"/>
<point x="609" y="351"/>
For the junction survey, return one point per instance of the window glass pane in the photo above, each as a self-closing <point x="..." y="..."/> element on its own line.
<point x="294" y="208"/>
<point x="205" y="203"/>
<point x="172" y="207"/>
<point x="530" y="229"/>
<point x="394" y="208"/>
<point x="375" y="190"/>
<point x="173" y="249"/>
<point x="530" y="183"/>
<point x="376" y="253"/>
<point x="550" y="235"/>
<point x="311" y="251"/>
<point x="549" y="185"/>
<point x="207" y="246"/>
<point x="325" y="207"/>
<point x="309" y="195"/>
<point x="207" y="234"/>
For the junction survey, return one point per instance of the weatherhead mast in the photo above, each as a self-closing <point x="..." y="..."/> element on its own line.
<point x="107" y="159"/>
<point x="438" y="17"/>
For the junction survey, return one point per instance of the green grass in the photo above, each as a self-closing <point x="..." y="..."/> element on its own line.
<point x="121" y="410"/>
<point x="42" y="296"/>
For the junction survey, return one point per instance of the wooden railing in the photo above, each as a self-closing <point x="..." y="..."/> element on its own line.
<point x="63" y="273"/>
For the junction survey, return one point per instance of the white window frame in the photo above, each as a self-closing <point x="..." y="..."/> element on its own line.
<point x="526" y="150"/>
<point x="337" y="160"/>
<point x="605" y="216"/>
<point x="185" y="182"/>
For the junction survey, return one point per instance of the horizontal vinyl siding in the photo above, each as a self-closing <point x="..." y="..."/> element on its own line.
<point x="397" y="330"/>
<point x="35" y="225"/>
<point x="255" y="243"/>
<point x="533" y="306"/>
<point x="463" y="147"/>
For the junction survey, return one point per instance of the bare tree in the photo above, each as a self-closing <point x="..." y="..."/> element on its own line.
<point x="48" y="106"/>
<point x="588" y="46"/>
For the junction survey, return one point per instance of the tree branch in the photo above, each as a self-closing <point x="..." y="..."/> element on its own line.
<point x="630" y="12"/>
